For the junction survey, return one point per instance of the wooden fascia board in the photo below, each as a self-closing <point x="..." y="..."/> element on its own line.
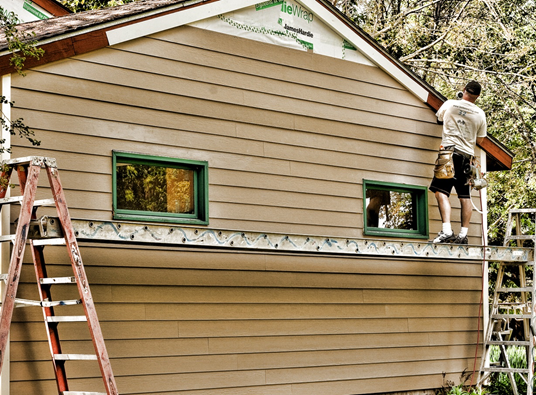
<point x="53" y="7"/>
<point x="60" y="49"/>
<point x="497" y="153"/>
<point x="77" y="43"/>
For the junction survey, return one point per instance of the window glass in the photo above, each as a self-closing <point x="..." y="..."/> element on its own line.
<point x="395" y="209"/>
<point x="155" y="188"/>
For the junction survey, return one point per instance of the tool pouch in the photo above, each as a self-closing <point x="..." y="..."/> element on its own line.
<point x="444" y="165"/>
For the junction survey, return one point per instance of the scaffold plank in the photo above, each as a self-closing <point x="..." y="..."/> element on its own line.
<point x="115" y="231"/>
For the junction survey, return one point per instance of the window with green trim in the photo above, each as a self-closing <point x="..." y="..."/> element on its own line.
<point x="160" y="189"/>
<point x="392" y="209"/>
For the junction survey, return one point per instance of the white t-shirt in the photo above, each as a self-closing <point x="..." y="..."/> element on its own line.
<point x="463" y="122"/>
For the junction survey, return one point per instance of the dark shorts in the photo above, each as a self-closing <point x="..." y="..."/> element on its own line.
<point x="460" y="180"/>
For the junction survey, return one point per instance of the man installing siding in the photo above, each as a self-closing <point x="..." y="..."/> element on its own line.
<point x="464" y="125"/>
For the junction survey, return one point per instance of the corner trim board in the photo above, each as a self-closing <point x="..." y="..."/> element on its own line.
<point x="175" y="19"/>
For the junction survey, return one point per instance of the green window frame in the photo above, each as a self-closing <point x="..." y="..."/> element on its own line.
<point x="184" y="204"/>
<point x="395" y="210"/>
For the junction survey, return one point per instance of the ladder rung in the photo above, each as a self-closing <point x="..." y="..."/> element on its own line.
<point x="525" y="289"/>
<point x="11" y="200"/>
<point x="44" y="202"/>
<point x="505" y="370"/>
<point x="38" y="303"/>
<point x="49" y="242"/>
<point x="519" y="237"/>
<point x="21" y="161"/>
<point x="508" y="343"/>
<point x="67" y="318"/>
<point x="493" y="316"/>
<point x="58" y="280"/>
<point x="26" y="302"/>
<point x="18" y="199"/>
<point x="522" y="210"/>
<point x="82" y="393"/>
<point x="61" y="303"/>
<point x="525" y="263"/>
<point x="75" y="357"/>
<point x="7" y="238"/>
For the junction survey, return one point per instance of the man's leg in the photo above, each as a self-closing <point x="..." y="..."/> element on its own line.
<point x="467" y="210"/>
<point x="446" y="235"/>
<point x="444" y="206"/>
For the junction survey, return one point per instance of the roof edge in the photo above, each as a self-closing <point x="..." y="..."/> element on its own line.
<point x="92" y="36"/>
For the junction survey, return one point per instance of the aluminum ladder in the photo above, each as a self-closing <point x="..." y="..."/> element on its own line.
<point x="28" y="170"/>
<point x="512" y="303"/>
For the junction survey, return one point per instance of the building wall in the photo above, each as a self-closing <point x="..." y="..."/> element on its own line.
<point x="289" y="137"/>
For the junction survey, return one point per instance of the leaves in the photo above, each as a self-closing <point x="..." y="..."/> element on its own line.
<point x="86" y="5"/>
<point x="448" y="43"/>
<point x="22" y="46"/>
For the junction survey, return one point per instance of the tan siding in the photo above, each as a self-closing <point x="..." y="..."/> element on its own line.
<point x="341" y="320"/>
<point x="289" y="137"/>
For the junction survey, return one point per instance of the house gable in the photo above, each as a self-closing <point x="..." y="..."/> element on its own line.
<point x="77" y="34"/>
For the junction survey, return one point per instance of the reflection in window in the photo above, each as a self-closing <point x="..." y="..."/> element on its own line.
<point x="390" y="210"/>
<point x="160" y="189"/>
<point x="395" y="209"/>
<point x="154" y="188"/>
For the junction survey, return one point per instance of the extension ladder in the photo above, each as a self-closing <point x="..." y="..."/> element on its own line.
<point x="28" y="170"/>
<point x="504" y="309"/>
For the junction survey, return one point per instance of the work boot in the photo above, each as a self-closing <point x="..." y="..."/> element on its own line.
<point x="460" y="240"/>
<point x="444" y="238"/>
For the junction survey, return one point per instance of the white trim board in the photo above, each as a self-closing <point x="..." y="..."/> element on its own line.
<point x="175" y="19"/>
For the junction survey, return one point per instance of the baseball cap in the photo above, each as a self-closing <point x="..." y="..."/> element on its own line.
<point x="473" y="88"/>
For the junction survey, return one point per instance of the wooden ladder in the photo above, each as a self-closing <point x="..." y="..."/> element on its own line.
<point x="28" y="170"/>
<point x="521" y="309"/>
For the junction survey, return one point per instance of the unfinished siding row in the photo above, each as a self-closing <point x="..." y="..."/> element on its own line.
<point x="288" y="144"/>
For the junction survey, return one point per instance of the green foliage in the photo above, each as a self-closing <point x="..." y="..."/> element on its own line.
<point x="464" y="388"/>
<point x="160" y="189"/>
<point x="86" y="5"/>
<point x="21" y="44"/>
<point x="499" y="382"/>
<point x="448" y="43"/>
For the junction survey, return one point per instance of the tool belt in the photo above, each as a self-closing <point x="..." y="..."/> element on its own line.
<point x="444" y="165"/>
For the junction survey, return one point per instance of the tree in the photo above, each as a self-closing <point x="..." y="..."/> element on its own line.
<point x="449" y="42"/>
<point x="85" y="5"/>
<point x="21" y="45"/>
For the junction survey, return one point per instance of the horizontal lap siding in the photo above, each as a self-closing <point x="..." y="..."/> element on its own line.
<point x="288" y="117"/>
<point x="187" y="320"/>
<point x="289" y="137"/>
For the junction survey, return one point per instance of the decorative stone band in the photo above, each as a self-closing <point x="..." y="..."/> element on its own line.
<point x="113" y="231"/>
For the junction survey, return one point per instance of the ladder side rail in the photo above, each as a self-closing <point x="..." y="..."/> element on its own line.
<point x="489" y="330"/>
<point x="509" y="366"/>
<point x="524" y="301"/>
<point x="17" y="256"/>
<point x="23" y="177"/>
<point x="508" y="232"/>
<point x="82" y="283"/>
<point x="52" y="328"/>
